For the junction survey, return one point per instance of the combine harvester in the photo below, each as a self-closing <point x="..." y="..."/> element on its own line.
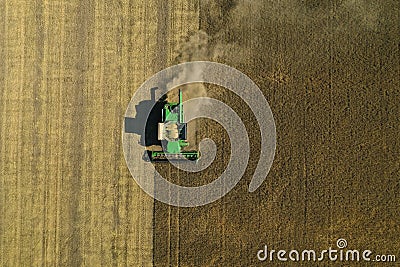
<point x="172" y="132"/>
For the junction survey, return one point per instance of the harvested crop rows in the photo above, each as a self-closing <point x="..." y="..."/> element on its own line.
<point x="330" y="73"/>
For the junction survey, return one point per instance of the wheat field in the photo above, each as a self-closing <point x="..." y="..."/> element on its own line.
<point x="329" y="70"/>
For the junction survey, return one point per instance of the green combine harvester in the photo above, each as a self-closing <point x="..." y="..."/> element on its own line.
<point x="172" y="132"/>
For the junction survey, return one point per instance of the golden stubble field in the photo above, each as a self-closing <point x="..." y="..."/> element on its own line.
<point x="68" y="71"/>
<point x="330" y="72"/>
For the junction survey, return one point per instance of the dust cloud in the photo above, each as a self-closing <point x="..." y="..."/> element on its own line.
<point x="194" y="48"/>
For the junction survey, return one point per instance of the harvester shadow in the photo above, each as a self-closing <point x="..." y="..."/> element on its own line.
<point x="141" y="124"/>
